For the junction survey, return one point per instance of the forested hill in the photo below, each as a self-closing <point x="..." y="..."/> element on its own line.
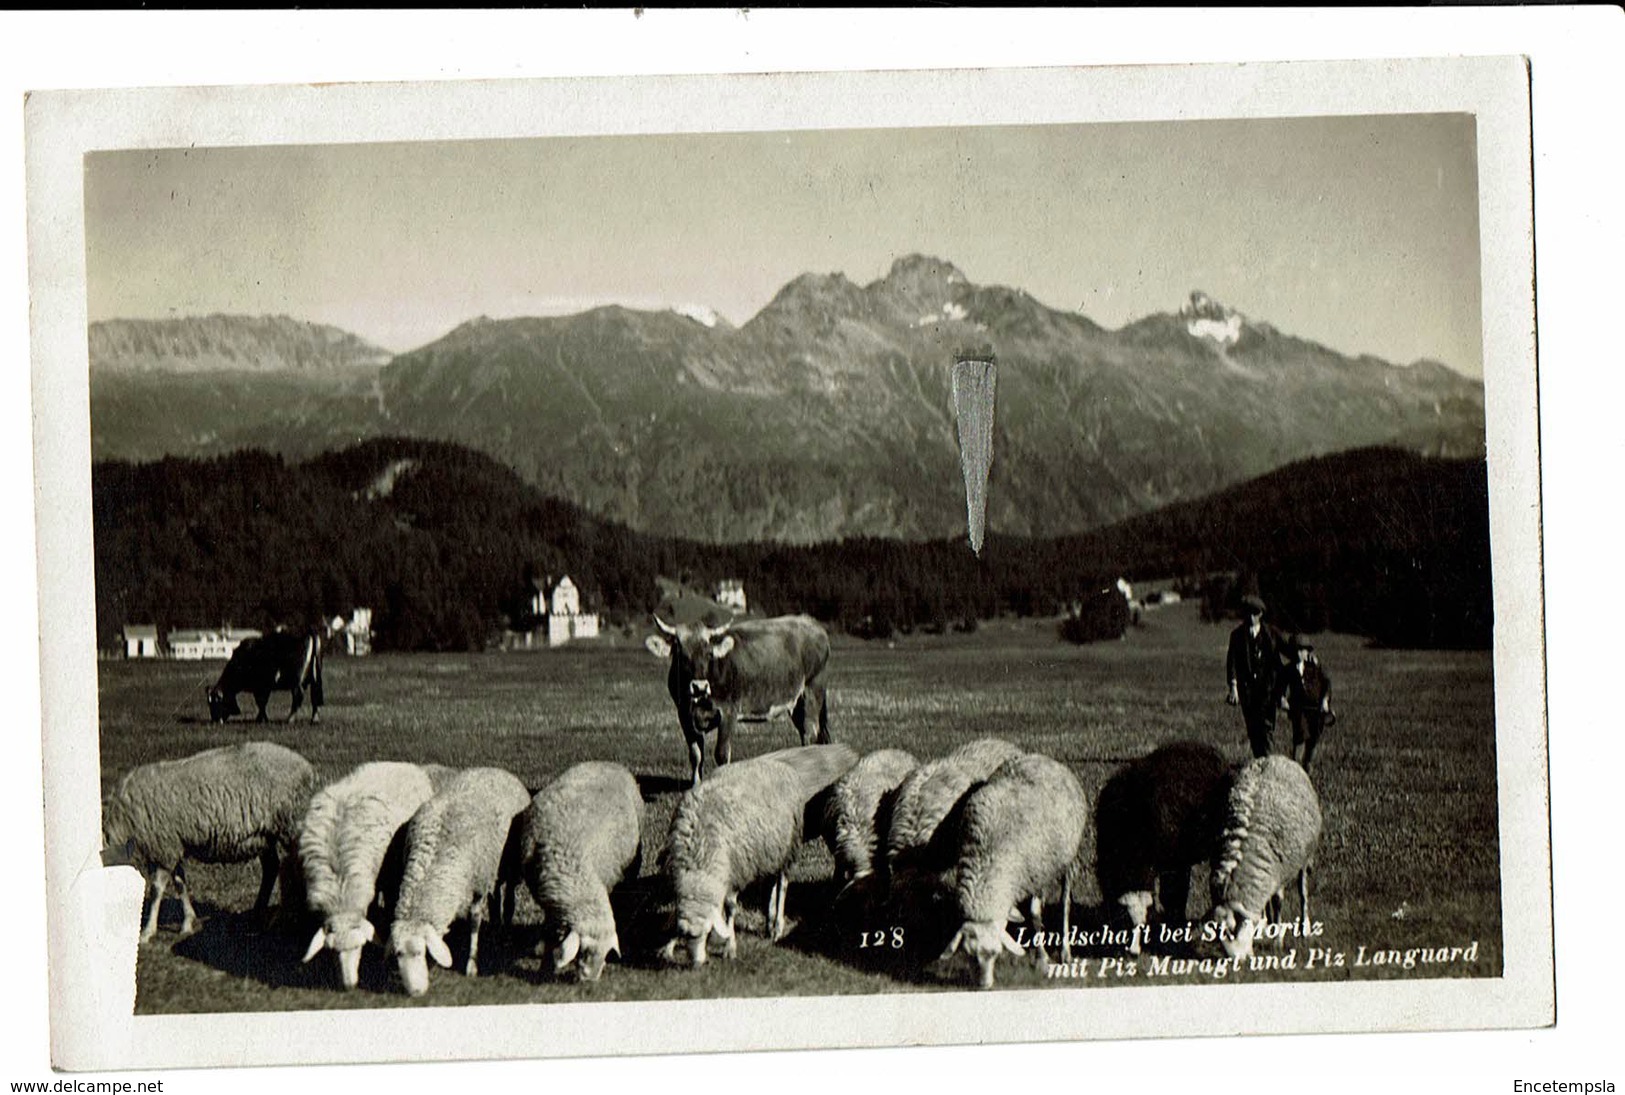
<point x="442" y="543"/>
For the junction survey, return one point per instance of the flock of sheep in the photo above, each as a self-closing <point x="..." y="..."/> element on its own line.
<point x="982" y="838"/>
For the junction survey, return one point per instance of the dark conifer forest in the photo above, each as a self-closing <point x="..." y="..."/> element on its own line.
<point x="443" y="544"/>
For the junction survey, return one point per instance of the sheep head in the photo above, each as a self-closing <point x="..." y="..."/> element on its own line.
<point x="345" y="937"/>
<point x="412" y="945"/>
<point x="586" y="953"/>
<point x="715" y="930"/>
<point x="1237" y="929"/>
<point x="1136" y="905"/>
<point x="984" y="943"/>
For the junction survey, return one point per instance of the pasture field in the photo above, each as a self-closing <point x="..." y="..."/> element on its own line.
<point x="1409" y="855"/>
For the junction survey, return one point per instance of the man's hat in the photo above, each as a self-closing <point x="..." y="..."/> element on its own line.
<point x="1298" y="642"/>
<point x="1252" y="605"/>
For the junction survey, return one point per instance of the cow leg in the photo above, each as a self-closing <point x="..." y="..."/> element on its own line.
<point x="298" y="699"/>
<point x="818" y="710"/>
<point x="261" y="699"/>
<point x="725" y="740"/>
<point x="798" y="717"/>
<point x="158" y="882"/>
<point x="696" y="756"/>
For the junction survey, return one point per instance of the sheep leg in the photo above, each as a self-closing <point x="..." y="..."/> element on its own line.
<point x="476" y="916"/>
<point x="269" y="862"/>
<point x="730" y="906"/>
<point x="781" y="891"/>
<point x="1035" y="921"/>
<point x="1066" y="917"/>
<point x="158" y="882"/>
<point x="189" y="921"/>
<point x="1303" y="896"/>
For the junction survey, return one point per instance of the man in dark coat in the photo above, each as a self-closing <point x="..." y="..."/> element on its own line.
<point x="1252" y="666"/>
<point x="1304" y="690"/>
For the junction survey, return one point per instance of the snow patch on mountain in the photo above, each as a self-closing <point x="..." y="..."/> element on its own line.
<point x="1206" y="318"/>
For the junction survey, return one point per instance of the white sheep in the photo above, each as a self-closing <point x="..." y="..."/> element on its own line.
<point x="347" y="833"/>
<point x="859" y="810"/>
<point x="926" y="798"/>
<point x="744" y="824"/>
<point x="226" y="805"/>
<point x="453" y="855"/>
<point x="1020" y="834"/>
<point x="577" y="840"/>
<point x="1271" y="831"/>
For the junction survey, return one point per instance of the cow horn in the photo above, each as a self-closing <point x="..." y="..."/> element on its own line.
<point x="665" y="627"/>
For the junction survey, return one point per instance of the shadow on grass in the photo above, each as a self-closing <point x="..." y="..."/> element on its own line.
<point x="653" y="786"/>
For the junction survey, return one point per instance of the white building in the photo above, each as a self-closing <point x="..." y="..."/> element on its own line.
<point x="731" y="594"/>
<point x="140" y="641"/>
<point x="198" y="645"/>
<point x="356" y="634"/>
<point x="561" y="609"/>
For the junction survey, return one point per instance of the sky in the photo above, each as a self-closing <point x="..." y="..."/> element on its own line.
<point x="1357" y="232"/>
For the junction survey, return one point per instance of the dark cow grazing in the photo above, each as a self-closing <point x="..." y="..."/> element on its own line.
<point x="282" y="661"/>
<point x="744" y="671"/>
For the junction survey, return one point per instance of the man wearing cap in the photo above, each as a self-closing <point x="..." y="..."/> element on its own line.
<point x="1304" y="691"/>
<point x="1252" y="666"/>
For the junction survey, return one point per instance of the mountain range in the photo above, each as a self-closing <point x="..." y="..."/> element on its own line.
<point x="827" y="415"/>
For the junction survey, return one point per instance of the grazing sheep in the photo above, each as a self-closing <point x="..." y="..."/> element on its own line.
<point x="744" y="824"/>
<point x="225" y="805"/>
<point x="1155" y="819"/>
<point x="926" y="798"/>
<point x="453" y="852"/>
<point x="577" y="840"/>
<point x="1271" y="831"/>
<point x="348" y="831"/>
<point x="860" y="810"/>
<point x="1019" y="839"/>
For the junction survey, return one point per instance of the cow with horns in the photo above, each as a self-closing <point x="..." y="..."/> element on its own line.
<point x="283" y="661"/>
<point x="744" y="671"/>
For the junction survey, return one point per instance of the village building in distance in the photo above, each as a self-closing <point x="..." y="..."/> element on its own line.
<point x="352" y="637"/>
<point x="558" y="617"/>
<point x="731" y="593"/>
<point x="195" y="645"/>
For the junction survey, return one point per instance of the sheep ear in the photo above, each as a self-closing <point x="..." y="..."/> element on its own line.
<point x="953" y="945"/>
<point x="721" y="649"/>
<point x="317" y="942"/>
<point x="438" y="951"/>
<point x="372" y="932"/>
<point x="1010" y="944"/>
<point x="657" y="646"/>
<point x="568" y="949"/>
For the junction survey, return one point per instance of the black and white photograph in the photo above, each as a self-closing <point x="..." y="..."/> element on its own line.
<point x="550" y="568"/>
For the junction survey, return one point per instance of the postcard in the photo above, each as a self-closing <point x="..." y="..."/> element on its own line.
<point x="581" y="567"/>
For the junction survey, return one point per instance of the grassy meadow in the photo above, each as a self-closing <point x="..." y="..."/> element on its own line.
<point x="1409" y="854"/>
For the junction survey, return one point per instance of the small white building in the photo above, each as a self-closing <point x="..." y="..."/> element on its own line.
<point x="560" y="607"/>
<point x="201" y="645"/>
<point x="731" y="594"/>
<point x="355" y="635"/>
<point x="141" y="641"/>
